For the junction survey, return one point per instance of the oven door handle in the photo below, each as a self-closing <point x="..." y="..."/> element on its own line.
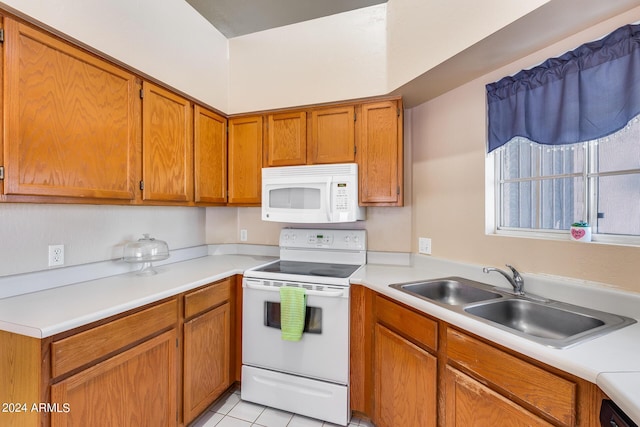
<point x="329" y="294"/>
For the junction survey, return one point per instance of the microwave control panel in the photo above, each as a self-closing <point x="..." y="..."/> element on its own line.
<point x="341" y="196"/>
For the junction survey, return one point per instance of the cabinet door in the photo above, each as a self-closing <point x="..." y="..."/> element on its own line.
<point x="206" y="360"/>
<point x="134" y="388"/>
<point x="167" y="148"/>
<point x="545" y="392"/>
<point x="210" y="156"/>
<point x="380" y="154"/>
<point x="404" y="382"/>
<point x="468" y="403"/>
<point x="245" y="160"/>
<point x="332" y="135"/>
<point x="71" y="120"/>
<point x="286" y="143"/>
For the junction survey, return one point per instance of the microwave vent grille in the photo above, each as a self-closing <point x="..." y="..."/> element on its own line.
<point x="312" y="170"/>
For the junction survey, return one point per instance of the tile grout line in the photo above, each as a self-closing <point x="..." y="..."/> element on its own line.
<point x="355" y="422"/>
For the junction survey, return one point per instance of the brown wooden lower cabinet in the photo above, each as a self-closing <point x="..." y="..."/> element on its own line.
<point x="404" y="381"/>
<point x="548" y="393"/>
<point x="158" y="365"/>
<point x="469" y="403"/>
<point x="206" y="360"/>
<point x="134" y="388"/>
<point x="413" y="370"/>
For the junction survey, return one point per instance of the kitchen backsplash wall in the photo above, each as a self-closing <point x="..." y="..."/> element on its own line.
<point x="388" y="229"/>
<point x="89" y="233"/>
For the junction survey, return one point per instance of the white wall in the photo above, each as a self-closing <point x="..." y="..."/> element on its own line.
<point x="328" y="59"/>
<point x="365" y="52"/>
<point x="165" y="39"/>
<point x="423" y="34"/>
<point x="89" y="233"/>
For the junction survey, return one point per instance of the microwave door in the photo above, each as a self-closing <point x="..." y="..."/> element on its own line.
<point x="297" y="203"/>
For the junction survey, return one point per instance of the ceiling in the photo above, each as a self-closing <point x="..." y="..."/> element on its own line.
<point x="239" y="17"/>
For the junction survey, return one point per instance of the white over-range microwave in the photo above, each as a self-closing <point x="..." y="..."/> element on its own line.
<point x="313" y="194"/>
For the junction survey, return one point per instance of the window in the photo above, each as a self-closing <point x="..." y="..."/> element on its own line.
<point x="546" y="188"/>
<point x="564" y="137"/>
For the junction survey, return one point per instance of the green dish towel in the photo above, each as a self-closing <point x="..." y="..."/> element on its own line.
<point x="293" y="307"/>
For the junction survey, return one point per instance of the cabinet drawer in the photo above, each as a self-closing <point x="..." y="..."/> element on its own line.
<point x="78" y="350"/>
<point x="549" y="393"/>
<point x="409" y="323"/>
<point x="210" y="296"/>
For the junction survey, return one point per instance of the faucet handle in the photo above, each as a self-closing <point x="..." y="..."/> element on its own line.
<point x="516" y="274"/>
<point x="518" y="281"/>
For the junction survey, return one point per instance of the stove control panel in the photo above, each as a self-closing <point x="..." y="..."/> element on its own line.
<point x="304" y="238"/>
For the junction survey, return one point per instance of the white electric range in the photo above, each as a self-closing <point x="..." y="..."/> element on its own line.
<point x="311" y="376"/>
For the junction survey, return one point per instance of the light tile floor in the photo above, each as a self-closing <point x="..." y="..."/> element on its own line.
<point x="231" y="411"/>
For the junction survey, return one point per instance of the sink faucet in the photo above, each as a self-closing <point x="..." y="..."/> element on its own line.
<point x="516" y="281"/>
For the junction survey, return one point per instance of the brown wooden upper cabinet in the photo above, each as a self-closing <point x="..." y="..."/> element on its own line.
<point x="70" y="119"/>
<point x="286" y="142"/>
<point x="368" y="133"/>
<point x="79" y="129"/>
<point x="325" y="135"/>
<point x="380" y="154"/>
<point x="210" y="156"/>
<point x="245" y="160"/>
<point x="332" y="135"/>
<point x="167" y="146"/>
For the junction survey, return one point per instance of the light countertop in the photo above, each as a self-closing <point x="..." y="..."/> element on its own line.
<point x="624" y="389"/>
<point x="611" y="361"/>
<point x="45" y="313"/>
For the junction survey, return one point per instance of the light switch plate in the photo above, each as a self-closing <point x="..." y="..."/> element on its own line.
<point x="424" y="245"/>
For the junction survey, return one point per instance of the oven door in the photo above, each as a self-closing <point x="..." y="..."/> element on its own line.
<point x="323" y="351"/>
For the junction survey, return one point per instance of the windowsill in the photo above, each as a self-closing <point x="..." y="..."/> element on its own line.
<point x="564" y="236"/>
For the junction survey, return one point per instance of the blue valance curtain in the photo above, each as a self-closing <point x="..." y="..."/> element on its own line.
<point x="585" y="94"/>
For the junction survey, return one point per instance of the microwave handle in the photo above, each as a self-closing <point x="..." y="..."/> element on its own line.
<point x="329" y="181"/>
<point x="336" y="293"/>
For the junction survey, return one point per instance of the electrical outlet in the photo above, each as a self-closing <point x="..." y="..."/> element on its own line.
<point x="56" y="255"/>
<point x="243" y="235"/>
<point x="424" y="245"/>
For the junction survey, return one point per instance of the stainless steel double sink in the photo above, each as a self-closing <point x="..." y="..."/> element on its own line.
<point x="551" y="323"/>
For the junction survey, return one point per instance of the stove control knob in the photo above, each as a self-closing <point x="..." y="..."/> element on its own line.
<point x="347" y="239"/>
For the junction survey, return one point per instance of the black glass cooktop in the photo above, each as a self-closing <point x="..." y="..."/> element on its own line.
<point x="340" y="271"/>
